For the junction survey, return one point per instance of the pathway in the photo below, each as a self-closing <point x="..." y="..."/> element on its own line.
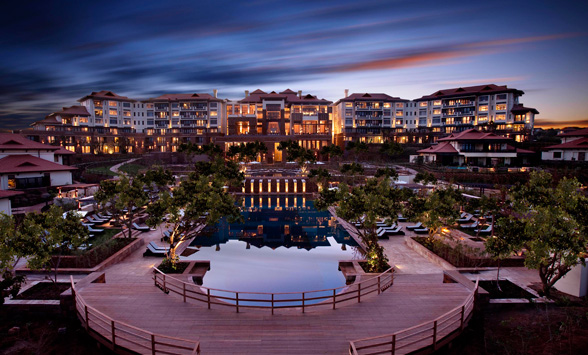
<point x="115" y="168"/>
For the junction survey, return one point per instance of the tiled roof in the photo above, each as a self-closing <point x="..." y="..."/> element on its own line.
<point x="288" y="95"/>
<point x="369" y="97"/>
<point x="27" y="163"/>
<point x="581" y="143"/>
<point x="473" y="134"/>
<point x="470" y="90"/>
<point x="575" y="133"/>
<point x="9" y="141"/>
<point x="106" y="95"/>
<point x="183" y="97"/>
<point x="63" y="151"/>
<point x="47" y="120"/>
<point x="520" y="108"/>
<point x="440" y="148"/>
<point x="72" y="111"/>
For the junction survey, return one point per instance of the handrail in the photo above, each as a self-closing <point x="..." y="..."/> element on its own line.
<point x="433" y="333"/>
<point x="120" y="335"/>
<point x="326" y="297"/>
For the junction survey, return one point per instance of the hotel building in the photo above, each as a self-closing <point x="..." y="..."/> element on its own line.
<point x="109" y="123"/>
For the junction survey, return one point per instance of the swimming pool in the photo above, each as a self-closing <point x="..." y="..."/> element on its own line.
<point x="283" y="245"/>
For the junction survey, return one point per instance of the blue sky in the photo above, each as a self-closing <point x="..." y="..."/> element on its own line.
<point x="54" y="53"/>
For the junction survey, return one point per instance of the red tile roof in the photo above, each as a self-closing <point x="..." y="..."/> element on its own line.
<point x="288" y="95"/>
<point x="9" y="141"/>
<point x="575" y="133"/>
<point x="6" y="193"/>
<point x="183" y="97"/>
<point x="27" y="163"/>
<point x="520" y="108"/>
<point x="72" y="111"/>
<point x="440" y="148"/>
<point x="470" y="90"/>
<point x="106" y="95"/>
<point x="473" y="134"/>
<point x="369" y="97"/>
<point x="63" y="151"/>
<point x="47" y="120"/>
<point x="581" y="143"/>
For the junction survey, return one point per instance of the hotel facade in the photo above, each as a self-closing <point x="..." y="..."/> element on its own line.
<point x="109" y="123"/>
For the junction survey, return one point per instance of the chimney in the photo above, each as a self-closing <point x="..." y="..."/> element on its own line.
<point x="346" y="92"/>
<point x="300" y="93"/>
<point x="215" y="92"/>
<point x="246" y="93"/>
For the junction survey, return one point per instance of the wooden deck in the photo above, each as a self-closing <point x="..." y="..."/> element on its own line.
<point x="411" y="300"/>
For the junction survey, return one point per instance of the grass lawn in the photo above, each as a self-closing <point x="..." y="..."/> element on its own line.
<point x="132" y="168"/>
<point x="102" y="170"/>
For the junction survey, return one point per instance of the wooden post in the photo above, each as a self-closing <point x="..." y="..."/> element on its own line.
<point x="302" y="302"/>
<point x="208" y="296"/>
<point x="334" y="298"/>
<point x="272" y="304"/>
<point x="153" y="344"/>
<point x="359" y="293"/>
<point x="378" y="285"/>
<point x="86" y="315"/>
<point x="435" y="335"/>
<point x="237" y="293"/>
<point x="184" y="290"/>
<point x="393" y="344"/>
<point x="462" y="316"/>
<point x="113" y="336"/>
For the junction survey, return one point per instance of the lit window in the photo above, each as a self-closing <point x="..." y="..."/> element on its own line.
<point x="501" y="107"/>
<point x="423" y="104"/>
<point x="483" y="108"/>
<point x="400" y="104"/>
<point x="112" y="103"/>
<point x="386" y="105"/>
<point x="399" y="113"/>
<point x="112" y="112"/>
<point x="436" y="111"/>
<point x="127" y="113"/>
<point x="348" y="104"/>
<point x="175" y="114"/>
<point x="437" y="103"/>
<point x="500" y="117"/>
<point x="213" y="113"/>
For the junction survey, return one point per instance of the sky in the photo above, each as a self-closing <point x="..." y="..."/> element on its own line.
<point x="55" y="52"/>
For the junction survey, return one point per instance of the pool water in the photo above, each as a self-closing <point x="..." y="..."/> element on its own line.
<point x="283" y="245"/>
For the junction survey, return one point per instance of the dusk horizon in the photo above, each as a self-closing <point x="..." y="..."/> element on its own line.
<point x="58" y="53"/>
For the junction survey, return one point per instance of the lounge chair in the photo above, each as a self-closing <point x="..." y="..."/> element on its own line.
<point x="95" y="220"/>
<point x="103" y="217"/>
<point x="401" y="218"/>
<point x="488" y="229"/>
<point x="465" y="219"/>
<point x="95" y="230"/>
<point x="416" y="226"/>
<point x="141" y="228"/>
<point x="155" y="250"/>
<point x="87" y="224"/>
<point x="421" y="230"/>
<point x="470" y="226"/>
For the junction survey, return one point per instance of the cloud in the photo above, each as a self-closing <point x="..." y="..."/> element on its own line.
<point x="503" y="79"/>
<point x="549" y="123"/>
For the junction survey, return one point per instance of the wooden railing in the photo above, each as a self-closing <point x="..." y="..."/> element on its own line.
<point x="328" y="298"/>
<point x="124" y="338"/>
<point x="432" y="334"/>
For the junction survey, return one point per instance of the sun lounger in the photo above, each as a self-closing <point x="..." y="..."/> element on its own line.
<point x="141" y="228"/>
<point x="465" y="219"/>
<point x="95" y="230"/>
<point x="382" y="232"/>
<point x="421" y="230"/>
<point x="87" y="224"/>
<point x="103" y="217"/>
<point x="470" y="226"/>
<point x="95" y="220"/>
<point x="416" y="226"/>
<point x="486" y="230"/>
<point x="401" y="218"/>
<point x="155" y="250"/>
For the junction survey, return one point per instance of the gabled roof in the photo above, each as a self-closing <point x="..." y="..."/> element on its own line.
<point x="441" y="148"/>
<point x="26" y="163"/>
<point x="288" y="91"/>
<point x="72" y="111"/>
<point x="368" y="96"/>
<point x="583" y="132"/>
<point x="518" y="108"/>
<point x="106" y="95"/>
<point x="473" y="135"/>
<point x="9" y="141"/>
<point x="288" y="96"/>
<point x="471" y="90"/>
<point x="63" y="151"/>
<point x="581" y="143"/>
<point x="183" y="97"/>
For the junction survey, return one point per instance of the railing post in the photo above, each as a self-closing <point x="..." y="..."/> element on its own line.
<point x="393" y="343"/>
<point x="86" y="315"/>
<point x="184" y="291"/>
<point x="272" y="304"/>
<point x="435" y="335"/>
<point x="462" y="317"/>
<point x="208" y="296"/>
<point x="359" y="293"/>
<point x="113" y="336"/>
<point x="153" y="344"/>
<point x="378" y="285"/>
<point x="302" y="302"/>
<point x="334" y="298"/>
<point x="164" y="288"/>
<point x="237" y="298"/>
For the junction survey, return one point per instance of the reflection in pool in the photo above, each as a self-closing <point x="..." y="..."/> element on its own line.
<point x="284" y="245"/>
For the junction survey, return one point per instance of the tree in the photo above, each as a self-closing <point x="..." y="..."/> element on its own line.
<point x="11" y="252"/>
<point x="390" y="173"/>
<point x="209" y="149"/>
<point x="436" y="210"/>
<point x="294" y="152"/>
<point x="357" y="148"/>
<point x="320" y="176"/>
<point x="426" y="178"/>
<point x="247" y="152"/>
<point x="548" y="221"/>
<point x="391" y="148"/>
<point x="366" y="204"/>
<point x="46" y="237"/>
<point x="201" y="199"/>
<point x="331" y="151"/>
